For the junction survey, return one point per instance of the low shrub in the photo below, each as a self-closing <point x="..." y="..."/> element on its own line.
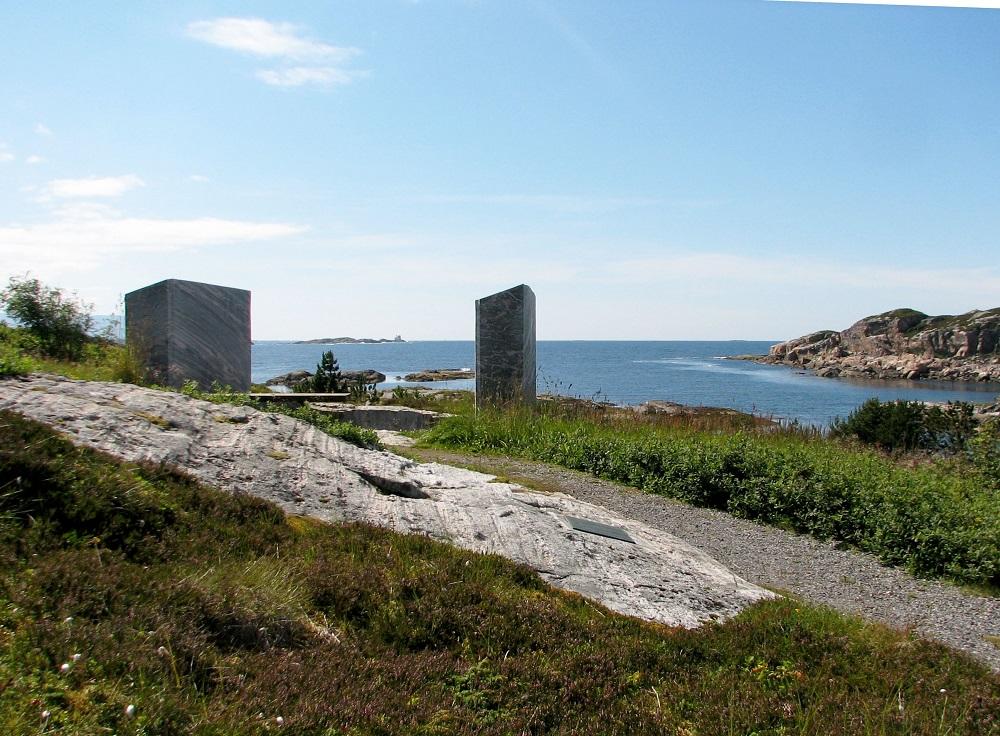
<point x="909" y="425"/>
<point x="60" y="324"/>
<point x="984" y="452"/>
<point x="164" y="607"/>
<point x="934" y="520"/>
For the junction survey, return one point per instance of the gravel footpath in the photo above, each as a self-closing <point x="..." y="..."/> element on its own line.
<point x="847" y="580"/>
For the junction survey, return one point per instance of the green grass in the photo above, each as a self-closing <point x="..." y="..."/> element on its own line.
<point x="934" y="519"/>
<point x="215" y="614"/>
<point x="101" y="360"/>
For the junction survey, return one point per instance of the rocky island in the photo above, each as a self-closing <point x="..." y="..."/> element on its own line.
<point x="901" y="344"/>
<point x="440" y="374"/>
<point x="349" y="341"/>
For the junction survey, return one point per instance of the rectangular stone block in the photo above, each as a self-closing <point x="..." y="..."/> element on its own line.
<point x="505" y="347"/>
<point x="184" y="330"/>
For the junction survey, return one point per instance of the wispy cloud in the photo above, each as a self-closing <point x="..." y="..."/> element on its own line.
<point x="199" y="178"/>
<point x="33" y="159"/>
<point x="263" y="38"/>
<point x="297" y="76"/>
<point x="6" y="156"/>
<point x="42" y="129"/>
<point x="983" y="4"/>
<point x="87" y="236"/>
<point x="93" y="186"/>
<point x="728" y="267"/>
<point x="567" y="203"/>
<point x="308" y="61"/>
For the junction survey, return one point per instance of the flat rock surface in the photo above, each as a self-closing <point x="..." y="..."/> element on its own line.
<point x="820" y="572"/>
<point x="242" y="450"/>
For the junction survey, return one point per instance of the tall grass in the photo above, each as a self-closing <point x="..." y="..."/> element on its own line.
<point x="936" y="520"/>
<point x="214" y="614"/>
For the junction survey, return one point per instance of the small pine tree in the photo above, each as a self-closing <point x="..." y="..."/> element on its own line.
<point x="327" y="379"/>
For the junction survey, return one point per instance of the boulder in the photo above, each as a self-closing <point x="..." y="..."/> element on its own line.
<point x="367" y="376"/>
<point x="288" y="379"/>
<point x="294" y="377"/>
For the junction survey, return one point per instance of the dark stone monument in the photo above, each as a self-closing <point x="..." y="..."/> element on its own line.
<point x="505" y="347"/>
<point x="184" y="330"/>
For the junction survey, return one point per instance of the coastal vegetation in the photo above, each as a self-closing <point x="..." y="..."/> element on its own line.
<point x="136" y="601"/>
<point x="54" y="334"/>
<point x="933" y="517"/>
<point x="910" y="425"/>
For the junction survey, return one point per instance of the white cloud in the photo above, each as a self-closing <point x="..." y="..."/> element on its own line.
<point x="983" y="4"/>
<point x="87" y="235"/>
<point x="93" y="186"/>
<point x="297" y="76"/>
<point x="33" y="159"/>
<point x="199" y="178"/>
<point x="42" y="129"/>
<point x="263" y="38"/>
<point x="6" y="156"/>
<point x="308" y="61"/>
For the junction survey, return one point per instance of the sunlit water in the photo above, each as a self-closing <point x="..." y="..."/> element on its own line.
<point x="695" y="373"/>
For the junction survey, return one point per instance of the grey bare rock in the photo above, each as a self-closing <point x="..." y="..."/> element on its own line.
<point x="294" y="378"/>
<point x="505" y="347"/>
<point x="901" y="344"/>
<point x="241" y="450"/>
<point x="440" y="374"/>
<point x="186" y="330"/>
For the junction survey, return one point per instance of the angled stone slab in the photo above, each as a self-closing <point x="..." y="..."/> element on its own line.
<point x="505" y="347"/>
<point x="184" y="330"/>
<point x="599" y="529"/>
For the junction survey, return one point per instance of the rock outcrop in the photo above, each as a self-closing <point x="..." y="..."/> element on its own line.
<point x="351" y="377"/>
<point x="306" y="472"/>
<point x="902" y="344"/>
<point x="441" y="374"/>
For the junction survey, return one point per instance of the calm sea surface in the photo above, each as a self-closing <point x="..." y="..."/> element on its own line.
<point x="695" y="373"/>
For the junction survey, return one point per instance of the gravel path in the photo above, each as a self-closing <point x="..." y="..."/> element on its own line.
<point x="846" y="580"/>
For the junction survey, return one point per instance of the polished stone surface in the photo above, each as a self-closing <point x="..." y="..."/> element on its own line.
<point x="505" y="347"/>
<point x="184" y="330"/>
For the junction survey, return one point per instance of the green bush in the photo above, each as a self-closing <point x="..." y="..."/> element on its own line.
<point x="59" y="323"/>
<point x="984" y="451"/>
<point x="909" y="425"/>
<point x="934" y="520"/>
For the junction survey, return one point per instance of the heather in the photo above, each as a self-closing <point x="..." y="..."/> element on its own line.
<point x="135" y="601"/>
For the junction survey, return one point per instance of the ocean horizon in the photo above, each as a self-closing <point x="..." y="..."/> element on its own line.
<point x="630" y="372"/>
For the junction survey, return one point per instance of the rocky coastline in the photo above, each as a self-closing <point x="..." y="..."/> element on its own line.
<point x="901" y="344"/>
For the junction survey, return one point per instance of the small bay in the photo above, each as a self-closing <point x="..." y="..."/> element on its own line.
<point x="631" y="372"/>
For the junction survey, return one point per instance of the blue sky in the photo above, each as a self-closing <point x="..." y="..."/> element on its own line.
<point x="673" y="169"/>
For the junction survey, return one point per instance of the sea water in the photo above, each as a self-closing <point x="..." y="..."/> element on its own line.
<point x="697" y="373"/>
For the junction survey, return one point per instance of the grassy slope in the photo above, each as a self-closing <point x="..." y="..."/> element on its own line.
<point x="214" y="614"/>
<point x="939" y="520"/>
